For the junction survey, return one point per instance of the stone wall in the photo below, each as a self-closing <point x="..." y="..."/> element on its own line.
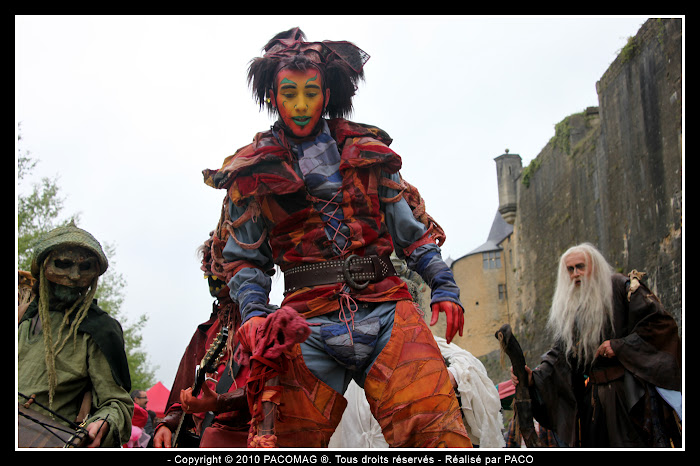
<point x="612" y="176"/>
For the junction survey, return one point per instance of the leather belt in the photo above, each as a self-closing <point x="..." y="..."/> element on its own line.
<point x="358" y="272"/>
<point x="606" y="375"/>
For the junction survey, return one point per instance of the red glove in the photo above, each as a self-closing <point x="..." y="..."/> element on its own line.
<point x="455" y="318"/>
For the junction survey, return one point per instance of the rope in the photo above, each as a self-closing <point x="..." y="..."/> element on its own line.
<point x="49" y="428"/>
<point x="333" y="230"/>
<point x="347" y="303"/>
<point x="74" y="429"/>
<point x="53" y="413"/>
<point x="346" y="300"/>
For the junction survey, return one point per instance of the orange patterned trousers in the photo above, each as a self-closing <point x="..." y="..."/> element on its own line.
<point x="408" y="389"/>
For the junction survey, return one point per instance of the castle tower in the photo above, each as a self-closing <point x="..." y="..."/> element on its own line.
<point x="508" y="169"/>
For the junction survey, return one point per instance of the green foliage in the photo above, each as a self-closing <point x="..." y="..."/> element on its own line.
<point x="39" y="212"/>
<point x="562" y="136"/>
<point x="529" y="171"/>
<point x="630" y="50"/>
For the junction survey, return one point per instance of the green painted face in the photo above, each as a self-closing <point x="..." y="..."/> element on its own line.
<point x="299" y="100"/>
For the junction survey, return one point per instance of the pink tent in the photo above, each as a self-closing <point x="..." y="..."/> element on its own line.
<point x="506" y="392"/>
<point x="157" y="398"/>
<point x="506" y="389"/>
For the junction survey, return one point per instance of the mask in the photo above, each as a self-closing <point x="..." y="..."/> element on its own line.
<point x="71" y="266"/>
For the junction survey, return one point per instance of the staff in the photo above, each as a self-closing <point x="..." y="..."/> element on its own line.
<point x="522" y="404"/>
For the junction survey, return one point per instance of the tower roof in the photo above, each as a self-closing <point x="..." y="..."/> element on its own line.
<point x="500" y="230"/>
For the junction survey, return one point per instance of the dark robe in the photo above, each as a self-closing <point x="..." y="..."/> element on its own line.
<point x="615" y="399"/>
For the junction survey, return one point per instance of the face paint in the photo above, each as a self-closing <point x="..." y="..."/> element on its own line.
<point x="74" y="267"/>
<point x="299" y="100"/>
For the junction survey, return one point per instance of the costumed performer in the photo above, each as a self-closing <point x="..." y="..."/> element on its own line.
<point x="323" y="199"/>
<point x="71" y="361"/>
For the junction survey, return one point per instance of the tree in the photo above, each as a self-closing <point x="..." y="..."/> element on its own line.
<point x="39" y="212"/>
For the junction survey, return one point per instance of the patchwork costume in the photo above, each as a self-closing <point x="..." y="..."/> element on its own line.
<point x="328" y="207"/>
<point x="273" y="214"/>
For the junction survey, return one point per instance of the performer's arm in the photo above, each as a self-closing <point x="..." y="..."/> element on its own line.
<point x="412" y="243"/>
<point x="250" y="286"/>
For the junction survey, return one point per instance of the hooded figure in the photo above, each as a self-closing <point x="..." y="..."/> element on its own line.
<point x="71" y="356"/>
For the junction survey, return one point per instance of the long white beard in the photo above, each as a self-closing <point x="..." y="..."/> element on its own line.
<point x="579" y="317"/>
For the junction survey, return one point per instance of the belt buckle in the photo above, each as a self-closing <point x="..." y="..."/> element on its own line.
<point x="348" y="278"/>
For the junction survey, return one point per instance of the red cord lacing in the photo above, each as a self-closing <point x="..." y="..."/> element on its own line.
<point x="347" y="303"/>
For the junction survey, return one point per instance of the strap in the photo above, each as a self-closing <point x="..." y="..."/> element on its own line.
<point x="608" y="374"/>
<point x="223" y="386"/>
<point x="356" y="271"/>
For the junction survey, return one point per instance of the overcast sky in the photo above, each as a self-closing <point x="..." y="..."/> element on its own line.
<point x="128" y="110"/>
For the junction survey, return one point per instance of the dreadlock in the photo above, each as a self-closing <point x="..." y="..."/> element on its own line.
<point x="52" y="348"/>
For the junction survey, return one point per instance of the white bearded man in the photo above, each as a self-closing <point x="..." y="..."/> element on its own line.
<point x="613" y="376"/>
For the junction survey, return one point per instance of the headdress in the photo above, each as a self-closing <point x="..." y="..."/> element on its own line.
<point x="69" y="235"/>
<point x="340" y="62"/>
<point x="319" y="52"/>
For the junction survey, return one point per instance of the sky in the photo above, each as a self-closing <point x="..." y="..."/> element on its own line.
<point x="126" y="112"/>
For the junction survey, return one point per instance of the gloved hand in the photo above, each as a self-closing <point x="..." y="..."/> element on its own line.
<point x="454" y="315"/>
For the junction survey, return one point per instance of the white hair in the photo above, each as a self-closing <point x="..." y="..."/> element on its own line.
<point x="580" y="314"/>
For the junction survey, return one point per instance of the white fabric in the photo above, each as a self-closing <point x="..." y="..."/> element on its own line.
<point x="357" y="428"/>
<point x="481" y="406"/>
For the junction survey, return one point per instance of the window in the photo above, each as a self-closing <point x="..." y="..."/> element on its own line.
<point x="492" y="259"/>
<point x="502" y="292"/>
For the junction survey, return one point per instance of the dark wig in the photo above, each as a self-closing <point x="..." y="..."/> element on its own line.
<point x="340" y="65"/>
